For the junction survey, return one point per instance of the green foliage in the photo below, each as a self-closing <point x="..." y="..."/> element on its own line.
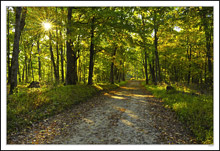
<point x="30" y="105"/>
<point x="184" y="45"/>
<point x="196" y="111"/>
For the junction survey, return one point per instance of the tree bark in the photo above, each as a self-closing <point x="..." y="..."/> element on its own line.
<point x="145" y="67"/>
<point x="52" y="59"/>
<point x="123" y="74"/>
<point x="75" y="76"/>
<point x="19" y="26"/>
<point x="57" y="42"/>
<point x="31" y="64"/>
<point x="19" y="75"/>
<point x="70" y="54"/>
<point x="26" y="68"/>
<point x="14" y="61"/>
<point x="61" y="55"/>
<point x="39" y="62"/>
<point x="79" y="70"/>
<point x="91" y="63"/>
<point x="153" y="74"/>
<point x="189" y="58"/>
<point x="75" y="58"/>
<point x="8" y="48"/>
<point x="112" y="66"/>
<point x="23" y="73"/>
<point x="208" y="34"/>
<point x="157" y="64"/>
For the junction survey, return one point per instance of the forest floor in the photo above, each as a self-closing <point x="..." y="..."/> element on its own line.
<point x="127" y="115"/>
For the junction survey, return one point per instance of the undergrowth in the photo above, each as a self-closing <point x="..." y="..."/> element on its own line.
<point x="30" y="105"/>
<point x="194" y="110"/>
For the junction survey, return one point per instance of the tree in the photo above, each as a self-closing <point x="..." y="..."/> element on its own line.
<point x="110" y="44"/>
<point x="91" y="61"/>
<point x="20" y="23"/>
<point x="70" y="79"/>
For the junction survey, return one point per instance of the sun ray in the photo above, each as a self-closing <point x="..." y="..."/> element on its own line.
<point x="46" y="25"/>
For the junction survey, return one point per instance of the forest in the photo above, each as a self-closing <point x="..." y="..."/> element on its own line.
<point x="55" y="51"/>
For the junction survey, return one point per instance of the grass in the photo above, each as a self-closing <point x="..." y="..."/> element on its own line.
<point x="30" y="105"/>
<point x="195" y="111"/>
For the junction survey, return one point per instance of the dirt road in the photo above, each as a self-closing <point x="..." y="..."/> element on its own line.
<point x="128" y="115"/>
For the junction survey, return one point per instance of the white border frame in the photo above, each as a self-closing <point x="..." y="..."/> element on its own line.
<point x="215" y="4"/>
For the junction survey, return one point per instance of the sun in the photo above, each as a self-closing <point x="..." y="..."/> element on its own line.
<point x="46" y="25"/>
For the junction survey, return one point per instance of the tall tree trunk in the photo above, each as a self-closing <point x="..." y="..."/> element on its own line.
<point x="57" y="42"/>
<point x="205" y="72"/>
<point x="157" y="64"/>
<point x="31" y="64"/>
<point x="145" y="67"/>
<point x="123" y="70"/>
<point x="39" y="62"/>
<point x="204" y="18"/>
<point x="19" y="74"/>
<point x="52" y="59"/>
<point x="23" y="73"/>
<point x="119" y="76"/>
<point x="208" y="29"/>
<point x="79" y="70"/>
<point x="123" y="74"/>
<point x="26" y="68"/>
<point x="75" y="76"/>
<point x="70" y="54"/>
<point x="51" y="73"/>
<point x="14" y="61"/>
<point x="153" y="73"/>
<point x="91" y="61"/>
<point x="61" y="55"/>
<point x="29" y="67"/>
<point x="208" y="45"/>
<point x="8" y="47"/>
<point x="84" y="73"/>
<point x="189" y="58"/>
<point x="19" y="26"/>
<point x="112" y="66"/>
<point x="75" y="58"/>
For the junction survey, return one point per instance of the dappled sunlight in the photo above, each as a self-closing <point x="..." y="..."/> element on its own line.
<point x="119" y="93"/>
<point x="141" y="130"/>
<point x="128" y="112"/>
<point x="98" y="87"/>
<point x="105" y="67"/>
<point x="119" y="108"/>
<point x="141" y="101"/>
<point x="131" y="114"/>
<point x="143" y="96"/>
<point x="137" y="128"/>
<point x="107" y="94"/>
<point x="179" y="105"/>
<point x="126" y="122"/>
<point x="88" y="121"/>
<point x="129" y="88"/>
<point x="117" y="97"/>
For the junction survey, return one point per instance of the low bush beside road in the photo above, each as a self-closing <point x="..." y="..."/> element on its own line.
<point x="195" y="111"/>
<point x="30" y="105"/>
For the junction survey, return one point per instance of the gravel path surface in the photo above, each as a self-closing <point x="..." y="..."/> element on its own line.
<point x="128" y="115"/>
